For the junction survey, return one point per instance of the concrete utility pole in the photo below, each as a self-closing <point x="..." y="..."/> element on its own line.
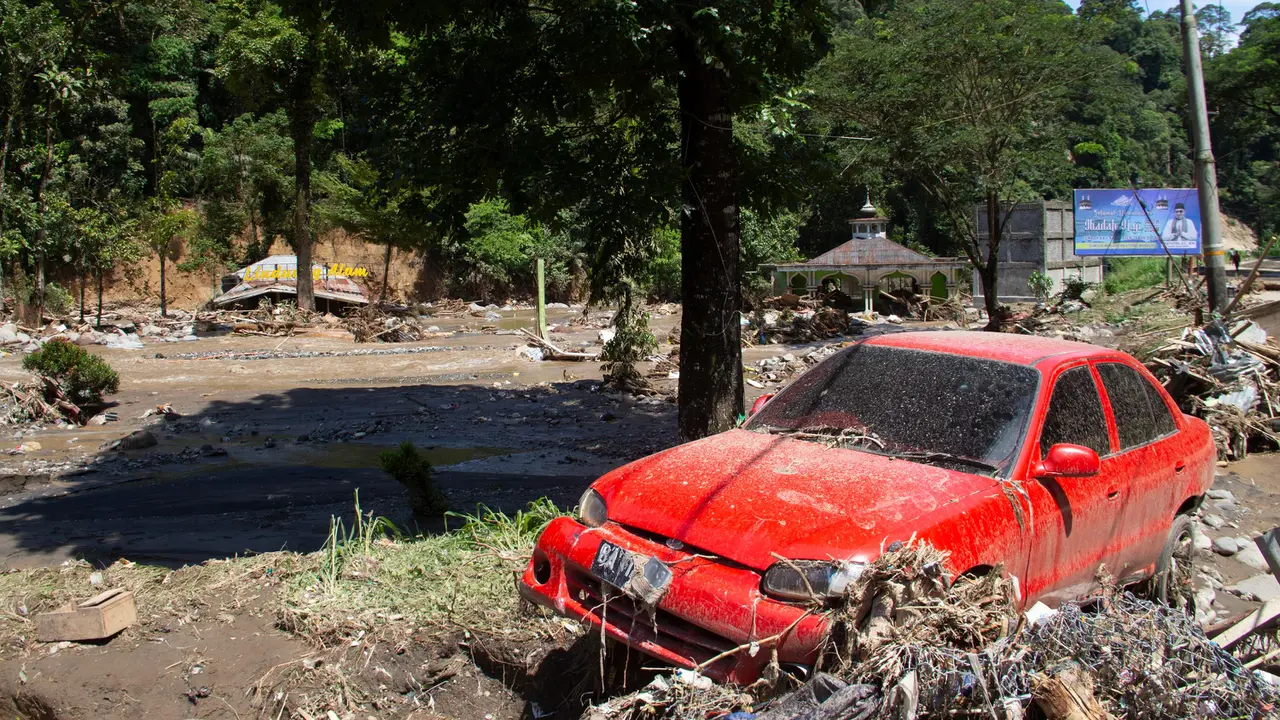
<point x="1215" y="266"/>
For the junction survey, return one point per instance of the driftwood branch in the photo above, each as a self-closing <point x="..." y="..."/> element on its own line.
<point x="555" y="353"/>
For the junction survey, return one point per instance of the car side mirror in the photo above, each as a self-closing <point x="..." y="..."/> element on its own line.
<point x="759" y="403"/>
<point x="1067" y="460"/>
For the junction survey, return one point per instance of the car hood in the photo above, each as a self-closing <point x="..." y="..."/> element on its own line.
<point x="745" y="496"/>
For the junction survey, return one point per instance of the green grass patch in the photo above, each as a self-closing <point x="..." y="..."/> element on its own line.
<point x="1133" y="273"/>
<point x="371" y="578"/>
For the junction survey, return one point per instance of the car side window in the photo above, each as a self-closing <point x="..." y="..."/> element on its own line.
<point x="1163" y="418"/>
<point x="1138" y="419"/>
<point x="1075" y="414"/>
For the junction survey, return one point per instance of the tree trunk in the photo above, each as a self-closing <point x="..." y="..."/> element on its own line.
<point x="80" y="272"/>
<point x="989" y="272"/>
<point x="253" y="232"/>
<point x="386" y="273"/>
<point x="302" y="124"/>
<point x="41" y="229"/>
<point x="710" y="389"/>
<point x="99" y="324"/>
<point x="4" y="157"/>
<point x="164" y="309"/>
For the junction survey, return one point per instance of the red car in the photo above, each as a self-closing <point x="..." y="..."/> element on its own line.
<point x="1044" y="457"/>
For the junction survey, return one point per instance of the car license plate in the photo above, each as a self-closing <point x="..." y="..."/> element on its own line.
<point x="613" y="565"/>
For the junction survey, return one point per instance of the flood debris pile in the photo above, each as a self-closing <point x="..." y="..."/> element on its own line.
<point x="778" y="370"/>
<point x="906" y="643"/>
<point x="1229" y="375"/>
<point x="808" y="324"/>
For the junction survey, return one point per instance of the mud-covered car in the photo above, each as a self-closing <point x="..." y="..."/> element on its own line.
<point x="1045" y="458"/>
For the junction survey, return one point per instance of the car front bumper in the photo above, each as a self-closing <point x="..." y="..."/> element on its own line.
<point x="712" y="617"/>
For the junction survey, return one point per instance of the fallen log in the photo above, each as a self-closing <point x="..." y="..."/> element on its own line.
<point x="555" y="353"/>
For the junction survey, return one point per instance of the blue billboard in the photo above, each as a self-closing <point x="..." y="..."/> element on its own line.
<point x="1137" y="222"/>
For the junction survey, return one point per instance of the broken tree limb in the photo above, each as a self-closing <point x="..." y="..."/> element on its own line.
<point x="555" y="353"/>
<point x="1068" y="695"/>
<point x="1253" y="275"/>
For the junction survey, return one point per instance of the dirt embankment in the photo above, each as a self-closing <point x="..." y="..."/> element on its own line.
<point x="412" y="275"/>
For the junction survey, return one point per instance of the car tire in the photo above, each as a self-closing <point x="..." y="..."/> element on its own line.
<point x="1173" y="582"/>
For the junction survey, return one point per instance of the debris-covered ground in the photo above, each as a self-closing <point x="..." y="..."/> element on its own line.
<point x="244" y="445"/>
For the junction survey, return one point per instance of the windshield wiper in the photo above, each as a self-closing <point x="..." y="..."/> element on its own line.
<point x="942" y="457"/>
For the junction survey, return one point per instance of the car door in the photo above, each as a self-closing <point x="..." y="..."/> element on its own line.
<point x="1074" y="520"/>
<point x="1149" y="460"/>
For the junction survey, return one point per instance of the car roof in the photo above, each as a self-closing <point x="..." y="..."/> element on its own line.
<point x="1004" y="347"/>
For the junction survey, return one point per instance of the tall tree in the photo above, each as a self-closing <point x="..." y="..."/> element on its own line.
<point x="965" y="100"/>
<point x="623" y="112"/>
<point x="276" y="59"/>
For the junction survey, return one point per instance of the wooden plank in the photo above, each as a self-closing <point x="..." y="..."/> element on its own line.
<point x="1258" y="619"/>
<point x="94" y="619"/>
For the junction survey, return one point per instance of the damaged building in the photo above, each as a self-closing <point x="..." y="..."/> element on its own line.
<point x="337" y="286"/>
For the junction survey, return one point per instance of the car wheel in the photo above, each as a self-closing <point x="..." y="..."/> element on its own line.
<point x="1174" y="581"/>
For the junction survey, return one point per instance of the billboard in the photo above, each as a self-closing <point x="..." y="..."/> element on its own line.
<point x="1113" y="222"/>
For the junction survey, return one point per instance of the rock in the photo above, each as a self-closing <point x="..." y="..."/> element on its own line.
<point x="138" y="440"/>
<point x="1250" y="555"/>
<point x="360" y="434"/>
<point x="608" y="417"/>
<point x="1221" y="494"/>
<point x="532" y="352"/>
<point x="212" y="451"/>
<point x="1226" y="506"/>
<point x="22" y="338"/>
<point x="1204" y="603"/>
<point x="8" y="333"/>
<point x="475" y="308"/>
<point x="1264" y="587"/>
<point x="788" y="358"/>
<point x="1226" y="546"/>
<point x="557" y="306"/>
<point x="1213" y="521"/>
<point x="492" y="316"/>
<point x="1202" y="542"/>
<point x="894" y="319"/>
<point x="87" y="338"/>
<point x="150" y="330"/>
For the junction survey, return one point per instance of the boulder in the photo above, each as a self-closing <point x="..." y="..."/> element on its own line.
<point x="1263" y="587"/>
<point x="8" y="333"/>
<point x="138" y="440"/>
<point x="1213" y="521"/>
<point x="1250" y="555"/>
<point x="1226" y="546"/>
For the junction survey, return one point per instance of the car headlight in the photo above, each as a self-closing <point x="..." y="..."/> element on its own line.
<point x="591" y="509"/>
<point x="808" y="579"/>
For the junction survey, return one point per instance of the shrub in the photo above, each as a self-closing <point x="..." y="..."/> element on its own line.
<point x="413" y="470"/>
<point x="632" y="342"/>
<point x="1041" y="285"/>
<point x="82" y="376"/>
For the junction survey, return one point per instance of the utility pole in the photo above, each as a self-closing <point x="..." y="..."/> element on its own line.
<point x="1215" y="267"/>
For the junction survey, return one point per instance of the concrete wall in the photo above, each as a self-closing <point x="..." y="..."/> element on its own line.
<point x="1039" y="237"/>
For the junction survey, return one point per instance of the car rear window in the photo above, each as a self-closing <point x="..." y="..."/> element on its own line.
<point x="911" y="401"/>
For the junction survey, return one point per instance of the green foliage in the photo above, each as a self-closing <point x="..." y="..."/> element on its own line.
<point x="1133" y="273"/>
<point x="499" y="248"/>
<point x="82" y="376"/>
<point x="965" y="101"/>
<point x="631" y="343"/>
<point x="412" y="469"/>
<point x="1041" y="285"/>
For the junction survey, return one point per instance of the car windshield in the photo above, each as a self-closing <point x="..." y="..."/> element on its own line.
<point x="964" y="412"/>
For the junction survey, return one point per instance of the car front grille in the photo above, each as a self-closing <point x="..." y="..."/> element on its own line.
<point x="696" y="644"/>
